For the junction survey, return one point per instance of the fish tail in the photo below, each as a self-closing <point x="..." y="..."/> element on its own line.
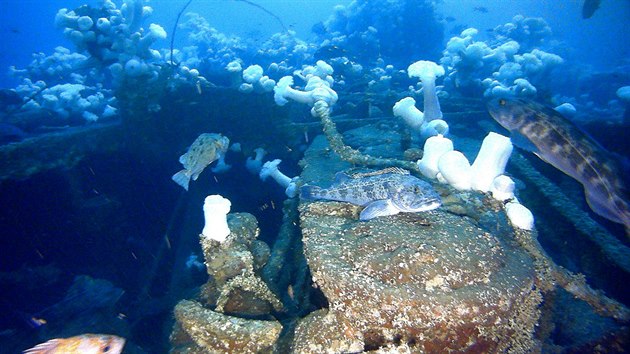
<point x="182" y="178"/>
<point x="310" y="192"/>
<point x="43" y="348"/>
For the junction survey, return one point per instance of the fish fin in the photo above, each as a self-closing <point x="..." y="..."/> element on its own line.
<point x="341" y="177"/>
<point x="378" y="208"/>
<point x="522" y="142"/>
<point x="43" y="348"/>
<point x="310" y="192"/>
<point x="182" y="178"/>
<point x="182" y="159"/>
<point x="388" y="170"/>
<point x="602" y="208"/>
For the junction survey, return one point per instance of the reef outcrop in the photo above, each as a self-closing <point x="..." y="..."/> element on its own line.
<point x="233" y="313"/>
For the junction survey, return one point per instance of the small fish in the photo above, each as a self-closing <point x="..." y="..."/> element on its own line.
<point x="330" y="51"/>
<point x="386" y="192"/>
<point x="589" y="7"/>
<point x="207" y="148"/>
<point x="481" y="9"/>
<point x="561" y="144"/>
<point x="82" y="344"/>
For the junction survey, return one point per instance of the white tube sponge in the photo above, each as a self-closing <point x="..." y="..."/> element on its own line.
<point x="221" y="166"/>
<point x="427" y="72"/>
<point x="624" y="93"/>
<point x="434" y="127"/>
<point x="270" y="169"/>
<point x="434" y="148"/>
<point x="519" y="216"/>
<point x="283" y="91"/>
<point x="215" y="210"/>
<point x="234" y="67"/>
<point x="491" y="160"/>
<point x="316" y="90"/>
<point x="135" y="67"/>
<point x="103" y="25"/>
<point x="85" y="23"/>
<point x="254" y="165"/>
<point x="455" y="170"/>
<point x="502" y="188"/>
<point x="406" y="109"/>
<point x="252" y="74"/>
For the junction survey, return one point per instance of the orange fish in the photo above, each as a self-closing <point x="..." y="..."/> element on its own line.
<point x="82" y="344"/>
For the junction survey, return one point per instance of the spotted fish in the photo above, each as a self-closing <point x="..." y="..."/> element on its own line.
<point x="82" y="344"/>
<point x="385" y="192"/>
<point x="558" y="142"/>
<point x="207" y="148"/>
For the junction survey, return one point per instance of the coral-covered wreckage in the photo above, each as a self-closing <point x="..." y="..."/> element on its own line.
<point x="469" y="276"/>
<point x="460" y="278"/>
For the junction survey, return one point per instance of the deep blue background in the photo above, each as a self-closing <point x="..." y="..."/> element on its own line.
<point x="27" y="26"/>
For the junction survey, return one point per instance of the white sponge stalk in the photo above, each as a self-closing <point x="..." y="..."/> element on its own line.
<point x="434" y="127"/>
<point x="406" y="109"/>
<point x="215" y="210"/>
<point x="455" y="170"/>
<point x="254" y="165"/>
<point x="502" y="188"/>
<point x="427" y="72"/>
<point x="491" y="160"/>
<point x="270" y="169"/>
<point x="519" y="216"/>
<point x="434" y="148"/>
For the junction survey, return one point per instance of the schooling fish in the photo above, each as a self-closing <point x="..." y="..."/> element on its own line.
<point x="206" y="149"/>
<point x="560" y="143"/>
<point x="385" y="192"/>
<point x="82" y="344"/>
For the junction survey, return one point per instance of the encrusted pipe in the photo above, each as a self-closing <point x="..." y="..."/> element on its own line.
<point x="575" y="284"/>
<point x="349" y="154"/>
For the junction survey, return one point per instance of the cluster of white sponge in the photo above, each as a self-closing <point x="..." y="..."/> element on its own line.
<point x="486" y="174"/>
<point x="318" y="87"/>
<point x="429" y="122"/>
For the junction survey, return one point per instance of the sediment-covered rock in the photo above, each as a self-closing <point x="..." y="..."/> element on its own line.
<point x="219" y="333"/>
<point x="431" y="281"/>
<point x="235" y="307"/>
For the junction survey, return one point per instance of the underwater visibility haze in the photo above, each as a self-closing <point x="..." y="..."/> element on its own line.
<point x="240" y="176"/>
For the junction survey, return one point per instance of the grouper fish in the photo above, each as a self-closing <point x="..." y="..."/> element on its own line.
<point x="81" y="344"/>
<point x="206" y="149"/>
<point x="560" y="143"/>
<point x="385" y="192"/>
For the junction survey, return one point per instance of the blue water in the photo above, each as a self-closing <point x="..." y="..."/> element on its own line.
<point x="113" y="214"/>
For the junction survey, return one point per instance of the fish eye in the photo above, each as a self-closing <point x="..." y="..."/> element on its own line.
<point x="502" y="102"/>
<point x="106" y="349"/>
